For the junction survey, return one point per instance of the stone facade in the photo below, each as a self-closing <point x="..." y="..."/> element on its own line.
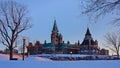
<point x="89" y="46"/>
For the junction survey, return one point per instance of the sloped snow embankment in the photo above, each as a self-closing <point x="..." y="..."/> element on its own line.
<point x="61" y="64"/>
<point x="37" y="62"/>
<point x="36" y="58"/>
<point x="4" y="57"/>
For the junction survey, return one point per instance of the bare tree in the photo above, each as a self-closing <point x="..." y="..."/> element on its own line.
<point x="98" y="8"/>
<point x="113" y="41"/>
<point x="13" y="21"/>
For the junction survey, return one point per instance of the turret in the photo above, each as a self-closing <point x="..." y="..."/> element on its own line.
<point x="88" y="32"/>
<point x="56" y="38"/>
<point x="55" y="29"/>
<point x="88" y="35"/>
<point x="60" y="39"/>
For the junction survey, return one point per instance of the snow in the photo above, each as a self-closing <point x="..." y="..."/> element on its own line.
<point x="60" y="64"/>
<point x="74" y="55"/>
<point x="39" y="62"/>
<point x="6" y="57"/>
<point x="36" y="58"/>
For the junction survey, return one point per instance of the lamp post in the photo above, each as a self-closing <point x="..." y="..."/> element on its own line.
<point x="71" y="54"/>
<point x="24" y="39"/>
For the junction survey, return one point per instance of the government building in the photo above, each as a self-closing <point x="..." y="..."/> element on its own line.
<point x="88" y="46"/>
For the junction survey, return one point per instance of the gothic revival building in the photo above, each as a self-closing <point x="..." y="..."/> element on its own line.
<point x="35" y="48"/>
<point x="88" y="46"/>
<point x="56" y="45"/>
<point x="56" y="37"/>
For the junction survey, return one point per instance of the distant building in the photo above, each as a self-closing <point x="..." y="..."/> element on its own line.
<point x="104" y="52"/>
<point x="58" y="46"/>
<point x="89" y="46"/>
<point x="56" y="37"/>
<point x="35" y="49"/>
<point x="7" y="51"/>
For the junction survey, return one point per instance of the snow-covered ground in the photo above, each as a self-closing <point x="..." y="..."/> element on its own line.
<point x="39" y="62"/>
<point x="6" y="57"/>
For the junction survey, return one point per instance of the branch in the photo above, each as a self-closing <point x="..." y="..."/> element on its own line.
<point x="5" y="44"/>
<point x="4" y="30"/>
<point x="98" y="8"/>
<point x="4" y="11"/>
<point x="111" y="49"/>
<point x="13" y="21"/>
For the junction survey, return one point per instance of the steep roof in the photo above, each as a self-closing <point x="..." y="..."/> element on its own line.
<point x="55" y="27"/>
<point x="88" y="40"/>
<point x="88" y="32"/>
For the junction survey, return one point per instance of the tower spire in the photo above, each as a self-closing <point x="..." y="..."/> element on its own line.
<point x="55" y="29"/>
<point x="88" y="32"/>
<point x="55" y="34"/>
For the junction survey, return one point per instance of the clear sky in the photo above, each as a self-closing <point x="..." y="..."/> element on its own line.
<point x="71" y="24"/>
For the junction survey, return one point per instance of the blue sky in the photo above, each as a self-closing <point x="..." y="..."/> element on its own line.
<point x="71" y="24"/>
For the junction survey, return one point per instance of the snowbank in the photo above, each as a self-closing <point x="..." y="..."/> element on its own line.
<point x="36" y="58"/>
<point x="4" y="57"/>
<point x="61" y="64"/>
<point x="37" y="62"/>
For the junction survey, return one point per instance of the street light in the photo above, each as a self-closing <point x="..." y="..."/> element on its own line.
<point x="24" y="39"/>
<point x="71" y="54"/>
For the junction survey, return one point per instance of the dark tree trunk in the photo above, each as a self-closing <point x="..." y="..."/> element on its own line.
<point x="117" y="55"/>
<point x="11" y="54"/>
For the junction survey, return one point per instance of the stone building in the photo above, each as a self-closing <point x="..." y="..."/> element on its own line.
<point x="89" y="46"/>
<point x="56" y="37"/>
